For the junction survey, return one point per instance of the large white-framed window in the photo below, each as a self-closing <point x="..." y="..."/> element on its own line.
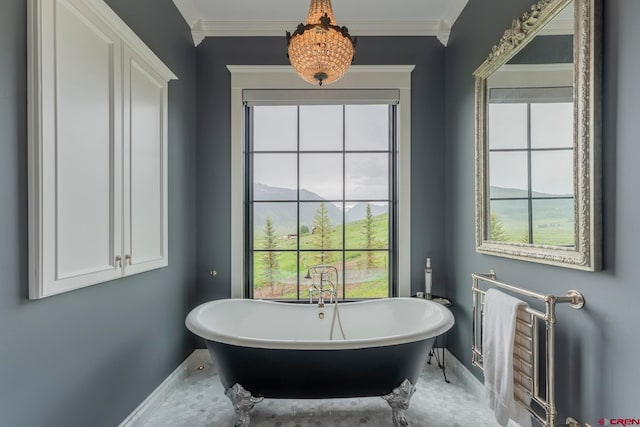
<point x="321" y="181"/>
<point x="245" y="78"/>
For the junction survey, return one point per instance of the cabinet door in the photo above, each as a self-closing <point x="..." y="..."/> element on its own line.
<point x="145" y="163"/>
<point x="75" y="143"/>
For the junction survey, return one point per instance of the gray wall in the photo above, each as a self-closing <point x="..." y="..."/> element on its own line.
<point x="89" y="357"/>
<point x="598" y="346"/>
<point x="214" y="133"/>
<point x="546" y="50"/>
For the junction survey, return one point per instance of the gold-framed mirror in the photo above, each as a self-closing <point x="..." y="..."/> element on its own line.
<point x="538" y="121"/>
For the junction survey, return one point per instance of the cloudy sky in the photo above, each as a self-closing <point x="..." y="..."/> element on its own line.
<point x="366" y="128"/>
<point x="551" y="128"/>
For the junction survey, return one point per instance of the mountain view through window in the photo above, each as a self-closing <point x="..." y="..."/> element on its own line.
<point x="320" y="192"/>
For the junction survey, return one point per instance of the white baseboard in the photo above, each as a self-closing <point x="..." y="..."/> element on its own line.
<point x="141" y="414"/>
<point x="470" y="382"/>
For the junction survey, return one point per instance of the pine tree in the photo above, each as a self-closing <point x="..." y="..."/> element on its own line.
<point x="369" y="238"/>
<point x="321" y="237"/>
<point x="525" y="237"/>
<point x="270" y="258"/>
<point x="497" y="230"/>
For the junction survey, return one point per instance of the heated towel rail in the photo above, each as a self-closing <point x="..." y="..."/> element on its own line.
<point x="526" y="355"/>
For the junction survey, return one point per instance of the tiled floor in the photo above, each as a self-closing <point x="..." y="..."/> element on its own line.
<point x="199" y="401"/>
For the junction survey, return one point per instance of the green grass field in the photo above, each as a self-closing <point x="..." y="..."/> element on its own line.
<point x="361" y="281"/>
<point x="553" y="221"/>
<point x="555" y="232"/>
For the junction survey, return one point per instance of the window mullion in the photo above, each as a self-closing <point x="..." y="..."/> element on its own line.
<point x="530" y="174"/>
<point x="393" y="286"/>
<point x="248" y="158"/>
<point x="344" y="197"/>
<point x="298" y="208"/>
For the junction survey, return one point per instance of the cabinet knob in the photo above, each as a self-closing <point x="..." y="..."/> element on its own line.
<point x="128" y="258"/>
<point x="118" y="261"/>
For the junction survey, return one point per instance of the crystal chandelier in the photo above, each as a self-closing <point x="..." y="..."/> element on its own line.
<point x="320" y="51"/>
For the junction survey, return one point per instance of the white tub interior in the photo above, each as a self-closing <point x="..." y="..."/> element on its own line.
<point x="267" y="324"/>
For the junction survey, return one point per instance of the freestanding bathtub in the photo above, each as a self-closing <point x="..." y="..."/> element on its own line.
<point x="283" y="350"/>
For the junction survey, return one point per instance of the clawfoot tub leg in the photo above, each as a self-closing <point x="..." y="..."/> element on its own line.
<point x="398" y="399"/>
<point x="242" y="402"/>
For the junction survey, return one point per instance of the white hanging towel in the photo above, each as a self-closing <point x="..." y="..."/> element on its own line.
<point x="498" y="333"/>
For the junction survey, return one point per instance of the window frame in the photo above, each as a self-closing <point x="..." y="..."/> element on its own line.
<point x="250" y="201"/>
<point x="283" y="77"/>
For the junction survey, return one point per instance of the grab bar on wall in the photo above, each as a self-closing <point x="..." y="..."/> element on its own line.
<point x="526" y="360"/>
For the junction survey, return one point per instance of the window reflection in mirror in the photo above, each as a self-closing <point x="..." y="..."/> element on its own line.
<point x="538" y="129"/>
<point x="531" y="173"/>
<point x="530" y="141"/>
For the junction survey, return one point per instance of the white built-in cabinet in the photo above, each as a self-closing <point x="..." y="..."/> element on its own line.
<point x="97" y="112"/>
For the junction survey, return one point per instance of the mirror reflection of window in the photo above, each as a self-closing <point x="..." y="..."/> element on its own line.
<point x="538" y="113"/>
<point x="531" y="188"/>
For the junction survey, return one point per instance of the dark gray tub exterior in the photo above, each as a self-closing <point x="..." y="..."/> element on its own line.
<point x="309" y="374"/>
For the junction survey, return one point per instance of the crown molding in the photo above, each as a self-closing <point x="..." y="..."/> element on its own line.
<point x="198" y="32"/>
<point x="107" y="15"/>
<point x="201" y="29"/>
<point x="189" y="11"/>
<point x="443" y="32"/>
<point x="454" y="10"/>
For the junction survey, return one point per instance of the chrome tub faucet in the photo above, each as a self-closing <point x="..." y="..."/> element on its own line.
<point x="326" y="274"/>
